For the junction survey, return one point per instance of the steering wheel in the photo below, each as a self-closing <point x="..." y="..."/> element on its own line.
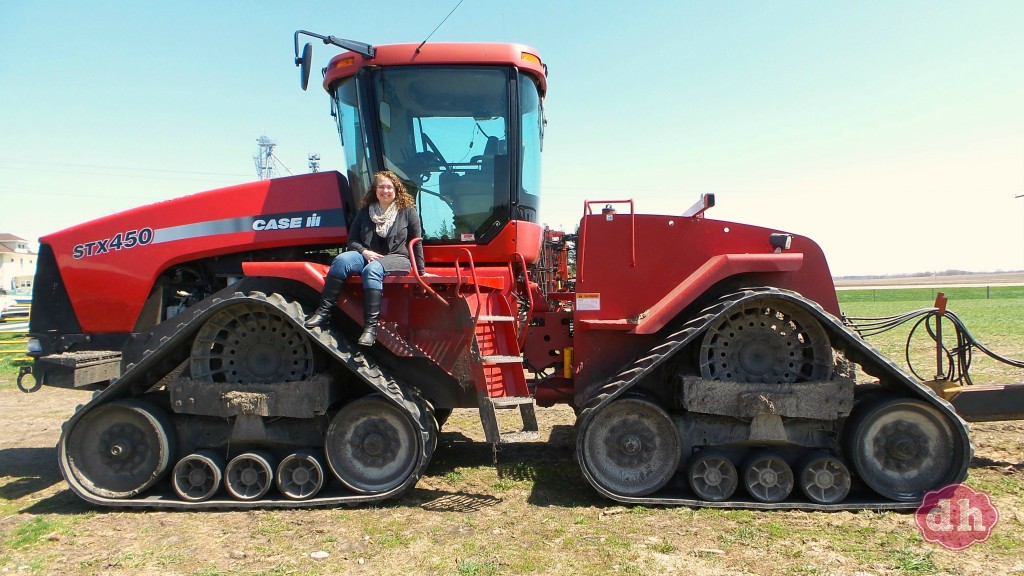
<point x="428" y="144"/>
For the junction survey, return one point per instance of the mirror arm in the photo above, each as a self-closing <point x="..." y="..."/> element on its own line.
<point x="361" y="48"/>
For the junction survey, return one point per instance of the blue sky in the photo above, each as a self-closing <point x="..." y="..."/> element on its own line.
<point x="890" y="132"/>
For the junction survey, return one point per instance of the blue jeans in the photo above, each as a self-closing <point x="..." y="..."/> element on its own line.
<point x="348" y="263"/>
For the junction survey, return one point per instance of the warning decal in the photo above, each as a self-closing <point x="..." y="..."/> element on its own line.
<point x="588" y="300"/>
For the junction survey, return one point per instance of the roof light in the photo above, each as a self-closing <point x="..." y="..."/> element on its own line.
<point x="345" y="62"/>
<point x="530" y="57"/>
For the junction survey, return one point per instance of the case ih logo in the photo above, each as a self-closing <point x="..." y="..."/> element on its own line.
<point x="956" y="516"/>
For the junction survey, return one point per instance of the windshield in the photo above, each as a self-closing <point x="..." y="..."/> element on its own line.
<point x="446" y="132"/>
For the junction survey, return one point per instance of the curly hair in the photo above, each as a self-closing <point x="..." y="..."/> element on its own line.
<point x="402" y="197"/>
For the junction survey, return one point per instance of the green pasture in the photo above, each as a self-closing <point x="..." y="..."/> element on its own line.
<point x="994" y="316"/>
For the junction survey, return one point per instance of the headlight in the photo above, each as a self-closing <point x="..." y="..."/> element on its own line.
<point x="35" y="346"/>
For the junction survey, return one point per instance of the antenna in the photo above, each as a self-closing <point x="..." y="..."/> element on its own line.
<point x="314" y="161"/>
<point x="438" y="26"/>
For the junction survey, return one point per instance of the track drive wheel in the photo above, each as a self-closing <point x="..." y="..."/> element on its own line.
<point x="251" y="344"/>
<point x="766" y="341"/>
<point x="631" y="447"/>
<point x="371" y="445"/>
<point x="119" y="449"/>
<point x="902" y="448"/>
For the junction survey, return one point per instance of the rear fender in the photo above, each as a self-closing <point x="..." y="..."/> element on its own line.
<point x="715" y="270"/>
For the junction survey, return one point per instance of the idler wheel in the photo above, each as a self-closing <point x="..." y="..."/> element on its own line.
<point x="251" y="344"/>
<point x="300" y="475"/>
<point x="371" y="445"/>
<point x="824" y="479"/>
<point x="119" y="449"/>
<point x="631" y="447"/>
<point x="766" y="342"/>
<point x="249" y="476"/>
<point x="768" y="478"/>
<point x="902" y="448"/>
<point x="712" y="476"/>
<point x="197" y="476"/>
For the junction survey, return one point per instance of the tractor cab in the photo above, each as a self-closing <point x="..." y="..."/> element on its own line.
<point x="461" y="124"/>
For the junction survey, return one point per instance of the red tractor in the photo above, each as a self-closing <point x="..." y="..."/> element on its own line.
<point x="704" y="359"/>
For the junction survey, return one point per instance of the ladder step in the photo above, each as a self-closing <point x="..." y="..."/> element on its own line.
<point x="501" y="359"/>
<point x="489" y="419"/>
<point x="510" y="401"/>
<point x="496" y="318"/>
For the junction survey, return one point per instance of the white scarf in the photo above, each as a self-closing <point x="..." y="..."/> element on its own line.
<point x="383" y="220"/>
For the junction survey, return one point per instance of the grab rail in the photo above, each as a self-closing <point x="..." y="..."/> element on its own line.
<point x="476" y="284"/>
<point x="416" y="272"/>
<point x="529" y="293"/>
<point x="609" y="212"/>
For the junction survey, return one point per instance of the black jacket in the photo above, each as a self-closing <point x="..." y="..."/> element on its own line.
<point x="405" y="228"/>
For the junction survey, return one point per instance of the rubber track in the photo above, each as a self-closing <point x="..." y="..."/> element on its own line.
<point x="843" y="339"/>
<point x="169" y="345"/>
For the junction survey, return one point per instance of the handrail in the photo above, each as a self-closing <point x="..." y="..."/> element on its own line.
<point x="416" y="272"/>
<point x="580" y="251"/>
<point x="529" y="293"/>
<point x="476" y="284"/>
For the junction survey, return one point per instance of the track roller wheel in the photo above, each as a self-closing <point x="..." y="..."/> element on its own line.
<point x="631" y="447"/>
<point x="119" y="449"/>
<point x="197" y="476"/>
<point x="902" y="448"/>
<point x="712" y="476"/>
<point x="300" y="475"/>
<point x="768" y="478"/>
<point x="249" y="476"/>
<point x="371" y="445"/>
<point x="824" y="479"/>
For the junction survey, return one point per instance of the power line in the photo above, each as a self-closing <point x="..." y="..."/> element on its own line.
<point x="103" y="167"/>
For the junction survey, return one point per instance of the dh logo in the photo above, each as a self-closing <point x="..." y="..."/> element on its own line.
<point x="956" y="516"/>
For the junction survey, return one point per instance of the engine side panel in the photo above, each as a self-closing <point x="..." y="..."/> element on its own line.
<point x="109" y="265"/>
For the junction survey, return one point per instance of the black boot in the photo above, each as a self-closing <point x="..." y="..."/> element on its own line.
<point x="371" y="313"/>
<point x="328" y="298"/>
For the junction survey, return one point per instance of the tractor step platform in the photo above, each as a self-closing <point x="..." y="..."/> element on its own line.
<point x="489" y="419"/>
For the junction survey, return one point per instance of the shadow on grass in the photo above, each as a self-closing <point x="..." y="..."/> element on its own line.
<point x="440" y="501"/>
<point x="1001" y="465"/>
<point x="548" y="466"/>
<point x="34" y="470"/>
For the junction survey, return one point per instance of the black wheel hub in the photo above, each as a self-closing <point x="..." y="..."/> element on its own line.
<point x="630" y="444"/>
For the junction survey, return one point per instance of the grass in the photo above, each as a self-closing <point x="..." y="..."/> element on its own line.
<point x="11" y="363"/>
<point x="993" y="316"/>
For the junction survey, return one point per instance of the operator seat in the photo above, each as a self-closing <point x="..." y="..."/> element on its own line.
<point x="475" y="194"/>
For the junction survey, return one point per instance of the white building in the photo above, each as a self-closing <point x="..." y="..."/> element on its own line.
<point x="17" y="263"/>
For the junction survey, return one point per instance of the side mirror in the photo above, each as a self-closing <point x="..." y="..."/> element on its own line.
<point x="303" y="62"/>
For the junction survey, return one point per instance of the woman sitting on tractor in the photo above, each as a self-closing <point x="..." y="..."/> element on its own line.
<point x="378" y="245"/>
